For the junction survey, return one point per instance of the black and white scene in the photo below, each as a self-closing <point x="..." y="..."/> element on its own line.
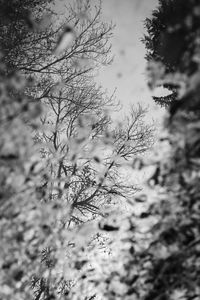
<point x="99" y="149"/>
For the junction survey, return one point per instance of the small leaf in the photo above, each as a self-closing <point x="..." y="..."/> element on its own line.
<point x="65" y="40"/>
<point x="107" y="227"/>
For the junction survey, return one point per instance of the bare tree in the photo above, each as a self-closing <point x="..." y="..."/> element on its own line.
<point x="63" y="83"/>
<point x="91" y="152"/>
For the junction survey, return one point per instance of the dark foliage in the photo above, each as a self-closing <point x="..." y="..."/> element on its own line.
<point x="172" y="38"/>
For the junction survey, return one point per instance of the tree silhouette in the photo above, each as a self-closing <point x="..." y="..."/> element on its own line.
<point x="63" y="83"/>
<point x="171" y="39"/>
